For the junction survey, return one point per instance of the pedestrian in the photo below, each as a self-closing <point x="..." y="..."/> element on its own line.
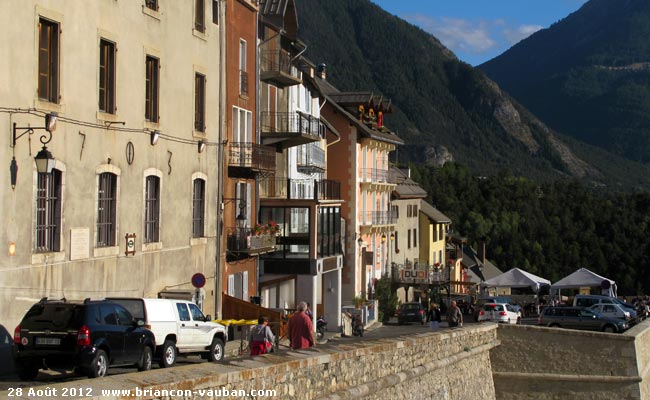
<point x="309" y="313"/>
<point x="260" y="337"/>
<point x="454" y="316"/>
<point x="434" y="317"/>
<point x="301" y="329"/>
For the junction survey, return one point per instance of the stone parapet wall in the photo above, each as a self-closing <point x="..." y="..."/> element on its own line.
<point x="547" y="363"/>
<point x="451" y="364"/>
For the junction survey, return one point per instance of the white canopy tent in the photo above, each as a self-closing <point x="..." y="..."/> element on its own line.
<point x="585" y="278"/>
<point x="517" y="278"/>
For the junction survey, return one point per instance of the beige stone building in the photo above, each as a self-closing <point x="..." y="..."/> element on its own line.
<point x="136" y="89"/>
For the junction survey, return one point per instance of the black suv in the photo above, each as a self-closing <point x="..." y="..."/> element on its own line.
<point x="86" y="336"/>
<point x="410" y="312"/>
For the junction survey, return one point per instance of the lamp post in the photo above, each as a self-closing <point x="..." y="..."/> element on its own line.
<point x="362" y="267"/>
<point x="44" y="159"/>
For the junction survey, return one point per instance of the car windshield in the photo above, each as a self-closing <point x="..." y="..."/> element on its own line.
<point x="57" y="316"/>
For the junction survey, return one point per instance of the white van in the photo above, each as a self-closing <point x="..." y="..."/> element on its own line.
<point x="179" y="327"/>
<point x="588" y="300"/>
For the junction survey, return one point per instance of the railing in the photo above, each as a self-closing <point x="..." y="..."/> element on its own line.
<point x="310" y="156"/>
<point x="251" y="155"/>
<point x="277" y="61"/>
<point x="378" y="218"/>
<point x="243" y="82"/>
<point x="241" y="240"/>
<point x="290" y="122"/>
<point x="375" y="175"/>
<point x="300" y="189"/>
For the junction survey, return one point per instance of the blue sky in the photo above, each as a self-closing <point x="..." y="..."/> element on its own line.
<point x="478" y="30"/>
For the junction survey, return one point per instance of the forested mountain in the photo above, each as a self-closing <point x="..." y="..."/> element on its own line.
<point x="587" y="75"/>
<point x="548" y="229"/>
<point x="445" y="109"/>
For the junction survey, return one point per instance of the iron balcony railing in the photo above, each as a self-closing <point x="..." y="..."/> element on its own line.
<point x="378" y="218"/>
<point x="240" y="240"/>
<point x="310" y="157"/>
<point x="277" y="61"/>
<point x="251" y="155"/>
<point x="375" y="175"/>
<point x="291" y="122"/>
<point x="300" y="189"/>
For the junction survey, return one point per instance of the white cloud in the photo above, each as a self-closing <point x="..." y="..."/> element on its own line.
<point x="523" y="31"/>
<point x="457" y="34"/>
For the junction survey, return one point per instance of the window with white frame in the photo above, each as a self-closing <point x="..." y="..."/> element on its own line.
<point x="152" y="209"/>
<point x="48" y="212"/>
<point x="106" y="209"/>
<point x="242" y="125"/>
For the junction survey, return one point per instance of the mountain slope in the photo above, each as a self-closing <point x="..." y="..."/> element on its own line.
<point x="588" y="75"/>
<point x="444" y="108"/>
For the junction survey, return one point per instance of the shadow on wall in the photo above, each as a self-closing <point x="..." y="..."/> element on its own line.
<point x="6" y="354"/>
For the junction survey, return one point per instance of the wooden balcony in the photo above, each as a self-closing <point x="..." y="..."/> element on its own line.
<point x="242" y="244"/>
<point x="289" y="129"/>
<point x="276" y="69"/>
<point x="246" y="160"/>
<point x="300" y="189"/>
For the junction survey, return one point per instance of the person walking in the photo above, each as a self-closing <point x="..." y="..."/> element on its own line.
<point x="454" y="316"/>
<point x="301" y="329"/>
<point x="260" y="337"/>
<point x="434" y="317"/>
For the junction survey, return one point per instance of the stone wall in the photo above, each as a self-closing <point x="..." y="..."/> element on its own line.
<point x="547" y="363"/>
<point x="424" y="366"/>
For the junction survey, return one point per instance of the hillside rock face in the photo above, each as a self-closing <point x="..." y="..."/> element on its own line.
<point x="443" y="108"/>
<point x="587" y="76"/>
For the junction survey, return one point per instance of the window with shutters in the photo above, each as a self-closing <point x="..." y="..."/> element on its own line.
<point x="199" y="15"/>
<point x="151" y="89"/>
<point x="107" y="76"/>
<point x="199" y="102"/>
<point x="48" y="60"/>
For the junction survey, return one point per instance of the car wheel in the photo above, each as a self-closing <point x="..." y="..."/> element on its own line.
<point x="320" y="333"/>
<point x="168" y="354"/>
<point x="609" y="329"/>
<point x="99" y="366"/>
<point x="145" y="362"/>
<point x="27" y="370"/>
<point x="400" y="322"/>
<point x="216" y="350"/>
<point x="518" y="321"/>
<point x="422" y="322"/>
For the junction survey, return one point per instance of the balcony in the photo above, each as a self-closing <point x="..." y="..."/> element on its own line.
<point x="310" y="158"/>
<point x="289" y="129"/>
<point x="377" y="219"/>
<point x="248" y="159"/>
<point x="376" y="179"/>
<point x="276" y="69"/>
<point x="300" y="189"/>
<point x="242" y="244"/>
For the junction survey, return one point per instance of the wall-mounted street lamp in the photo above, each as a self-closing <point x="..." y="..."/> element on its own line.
<point x="383" y="238"/>
<point x="153" y="137"/>
<point x="44" y="159"/>
<point x="392" y="236"/>
<point x="201" y="146"/>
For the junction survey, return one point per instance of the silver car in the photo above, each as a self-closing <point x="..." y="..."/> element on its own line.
<point x="580" y="318"/>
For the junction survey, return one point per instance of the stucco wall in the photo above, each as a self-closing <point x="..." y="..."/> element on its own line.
<point x="426" y="366"/>
<point x="546" y="363"/>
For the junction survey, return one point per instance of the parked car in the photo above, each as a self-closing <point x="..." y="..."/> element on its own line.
<point x="179" y="327"/>
<point x="410" y="312"/>
<point x="504" y="313"/>
<point x="492" y="299"/>
<point x="580" y="318"/>
<point x="588" y="300"/>
<point x="611" y="311"/>
<point x="88" y="336"/>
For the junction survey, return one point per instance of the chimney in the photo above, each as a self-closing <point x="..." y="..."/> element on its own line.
<point x="321" y="71"/>
<point x="481" y="251"/>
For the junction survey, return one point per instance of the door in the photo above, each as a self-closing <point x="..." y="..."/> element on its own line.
<point x="132" y="336"/>
<point x="113" y="333"/>
<point x="185" y="336"/>
<point x="201" y="329"/>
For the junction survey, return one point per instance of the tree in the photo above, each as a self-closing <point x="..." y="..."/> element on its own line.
<point x="387" y="298"/>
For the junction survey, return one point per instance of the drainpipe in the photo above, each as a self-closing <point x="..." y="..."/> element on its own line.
<point x="258" y="137"/>
<point x="218" y="282"/>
